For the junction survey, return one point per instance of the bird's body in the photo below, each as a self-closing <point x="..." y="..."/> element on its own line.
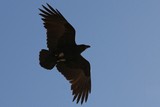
<point x="65" y="54"/>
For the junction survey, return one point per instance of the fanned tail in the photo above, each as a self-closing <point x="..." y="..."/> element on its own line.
<point x="47" y="60"/>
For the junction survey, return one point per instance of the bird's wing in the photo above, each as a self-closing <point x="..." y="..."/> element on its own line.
<point x="59" y="31"/>
<point x="78" y="74"/>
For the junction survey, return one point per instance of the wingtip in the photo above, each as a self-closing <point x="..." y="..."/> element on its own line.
<point x="47" y="4"/>
<point x="39" y="9"/>
<point x="42" y="5"/>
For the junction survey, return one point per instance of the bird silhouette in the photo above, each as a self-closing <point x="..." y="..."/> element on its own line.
<point x="64" y="54"/>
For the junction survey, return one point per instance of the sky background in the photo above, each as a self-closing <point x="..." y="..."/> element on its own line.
<point x="125" y="53"/>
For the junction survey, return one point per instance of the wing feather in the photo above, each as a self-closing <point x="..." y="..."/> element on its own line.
<point x="75" y="72"/>
<point x="59" y="32"/>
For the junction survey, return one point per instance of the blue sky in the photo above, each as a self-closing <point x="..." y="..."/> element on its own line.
<point x="125" y="53"/>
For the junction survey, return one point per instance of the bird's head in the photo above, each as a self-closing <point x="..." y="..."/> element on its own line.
<point x="83" y="47"/>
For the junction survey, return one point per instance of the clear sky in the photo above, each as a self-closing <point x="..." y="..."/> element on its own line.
<point x="125" y="53"/>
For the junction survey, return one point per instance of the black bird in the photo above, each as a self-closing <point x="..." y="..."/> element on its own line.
<point x="65" y="54"/>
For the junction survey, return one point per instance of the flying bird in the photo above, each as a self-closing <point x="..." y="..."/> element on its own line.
<point x="64" y="54"/>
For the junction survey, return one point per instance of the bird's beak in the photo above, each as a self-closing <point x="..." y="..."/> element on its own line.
<point x="88" y="46"/>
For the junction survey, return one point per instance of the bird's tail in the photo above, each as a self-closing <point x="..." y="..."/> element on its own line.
<point x="47" y="60"/>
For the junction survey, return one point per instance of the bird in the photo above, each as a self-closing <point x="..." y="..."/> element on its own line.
<point x="64" y="54"/>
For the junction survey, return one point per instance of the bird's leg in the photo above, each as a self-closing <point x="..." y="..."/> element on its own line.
<point x="61" y="57"/>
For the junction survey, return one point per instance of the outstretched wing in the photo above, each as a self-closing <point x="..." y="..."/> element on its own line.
<point x="59" y="31"/>
<point x="78" y="74"/>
